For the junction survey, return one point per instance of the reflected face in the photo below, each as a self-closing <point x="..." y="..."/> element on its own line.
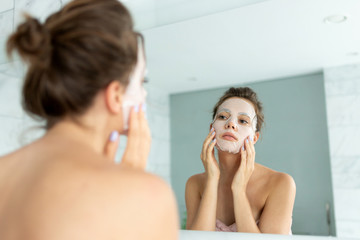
<point x="135" y="93"/>
<point x="235" y="120"/>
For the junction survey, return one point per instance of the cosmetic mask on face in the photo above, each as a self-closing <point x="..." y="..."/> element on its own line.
<point x="235" y="120"/>
<point x="135" y="93"/>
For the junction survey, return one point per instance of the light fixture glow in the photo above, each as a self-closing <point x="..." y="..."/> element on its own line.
<point x="336" y="18"/>
<point x="352" y="54"/>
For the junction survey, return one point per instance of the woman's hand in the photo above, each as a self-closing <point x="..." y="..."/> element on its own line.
<point x="208" y="158"/>
<point x="138" y="141"/>
<point x="246" y="167"/>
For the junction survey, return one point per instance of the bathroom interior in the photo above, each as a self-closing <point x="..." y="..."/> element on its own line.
<point x="302" y="57"/>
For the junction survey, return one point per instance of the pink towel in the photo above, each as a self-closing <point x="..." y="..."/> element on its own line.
<point x="221" y="227"/>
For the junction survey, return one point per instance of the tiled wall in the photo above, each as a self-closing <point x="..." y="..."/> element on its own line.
<point x="342" y="88"/>
<point x="17" y="128"/>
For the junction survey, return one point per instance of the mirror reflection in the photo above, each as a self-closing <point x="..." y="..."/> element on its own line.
<point x="293" y="112"/>
<point x="304" y="70"/>
<point x="235" y="194"/>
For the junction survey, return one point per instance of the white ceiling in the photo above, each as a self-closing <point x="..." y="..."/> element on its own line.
<point x="155" y="13"/>
<point x="262" y="41"/>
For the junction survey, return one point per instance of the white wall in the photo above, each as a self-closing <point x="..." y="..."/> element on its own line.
<point x="342" y="90"/>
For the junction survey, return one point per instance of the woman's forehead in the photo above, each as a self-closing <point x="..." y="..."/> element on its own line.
<point x="237" y="105"/>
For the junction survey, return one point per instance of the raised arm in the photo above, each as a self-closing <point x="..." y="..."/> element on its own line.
<point x="276" y="216"/>
<point x="201" y="208"/>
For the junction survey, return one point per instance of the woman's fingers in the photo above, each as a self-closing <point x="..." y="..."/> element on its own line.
<point x="207" y="155"/>
<point x="139" y="139"/>
<point x="210" y="148"/>
<point x="247" y="147"/>
<point x="252" y="145"/>
<point x="145" y="142"/>
<point x="112" y="145"/>
<point x="243" y="157"/>
<point x="133" y="132"/>
<point x="206" y="143"/>
<point x="250" y="153"/>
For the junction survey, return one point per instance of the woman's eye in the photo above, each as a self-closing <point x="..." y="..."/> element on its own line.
<point x="243" y="121"/>
<point x="222" y="117"/>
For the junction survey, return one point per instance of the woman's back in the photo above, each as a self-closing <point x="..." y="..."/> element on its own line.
<point x="67" y="191"/>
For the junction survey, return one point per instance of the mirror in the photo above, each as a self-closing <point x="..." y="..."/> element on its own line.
<point x="303" y="59"/>
<point x="304" y="68"/>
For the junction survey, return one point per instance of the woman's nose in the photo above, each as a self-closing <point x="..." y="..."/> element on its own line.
<point x="231" y="125"/>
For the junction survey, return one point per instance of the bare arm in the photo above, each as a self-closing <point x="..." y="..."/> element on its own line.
<point x="244" y="218"/>
<point x="277" y="213"/>
<point x="276" y="217"/>
<point x="201" y="210"/>
<point x="243" y="215"/>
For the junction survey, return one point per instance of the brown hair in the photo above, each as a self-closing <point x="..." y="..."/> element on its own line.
<point x="77" y="52"/>
<point x="248" y="94"/>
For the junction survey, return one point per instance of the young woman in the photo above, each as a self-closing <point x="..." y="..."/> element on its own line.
<point x="235" y="193"/>
<point x="84" y="79"/>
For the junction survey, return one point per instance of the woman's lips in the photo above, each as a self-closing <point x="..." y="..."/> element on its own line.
<point x="229" y="136"/>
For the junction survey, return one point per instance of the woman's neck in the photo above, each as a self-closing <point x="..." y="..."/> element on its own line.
<point x="228" y="163"/>
<point x="91" y="132"/>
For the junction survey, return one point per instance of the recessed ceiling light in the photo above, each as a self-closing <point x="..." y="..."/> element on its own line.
<point x="336" y="18"/>
<point x="352" y="54"/>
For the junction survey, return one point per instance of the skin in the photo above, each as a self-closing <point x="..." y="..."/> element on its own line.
<point x="66" y="186"/>
<point x="238" y="190"/>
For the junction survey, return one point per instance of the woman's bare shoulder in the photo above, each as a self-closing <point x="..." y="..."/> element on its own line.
<point x="196" y="180"/>
<point x="121" y="199"/>
<point x="110" y="199"/>
<point x="118" y="181"/>
<point x="283" y="182"/>
<point x="127" y="178"/>
<point x="276" y="179"/>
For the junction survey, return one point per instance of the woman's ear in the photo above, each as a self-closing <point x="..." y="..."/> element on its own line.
<point x="113" y="96"/>
<point x="256" y="137"/>
<point x="210" y="126"/>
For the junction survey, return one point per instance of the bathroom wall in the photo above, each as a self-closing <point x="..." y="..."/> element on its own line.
<point x="342" y="88"/>
<point x="17" y="128"/>
<point x="294" y="140"/>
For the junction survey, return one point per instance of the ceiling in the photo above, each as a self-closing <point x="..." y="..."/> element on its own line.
<point x="257" y="41"/>
<point x="155" y="13"/>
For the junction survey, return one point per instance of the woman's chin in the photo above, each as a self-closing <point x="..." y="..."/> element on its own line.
<point x="228" y="150"/>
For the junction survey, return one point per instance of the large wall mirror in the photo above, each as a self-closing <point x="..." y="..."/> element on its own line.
<point x="302" y="57"/>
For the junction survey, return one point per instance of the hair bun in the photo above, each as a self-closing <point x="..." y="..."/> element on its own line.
<point x="33" y="42"/>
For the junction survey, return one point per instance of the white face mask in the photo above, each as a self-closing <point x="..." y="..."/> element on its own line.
<point x="135" y="93"/>
<point x="235" y="120"/>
